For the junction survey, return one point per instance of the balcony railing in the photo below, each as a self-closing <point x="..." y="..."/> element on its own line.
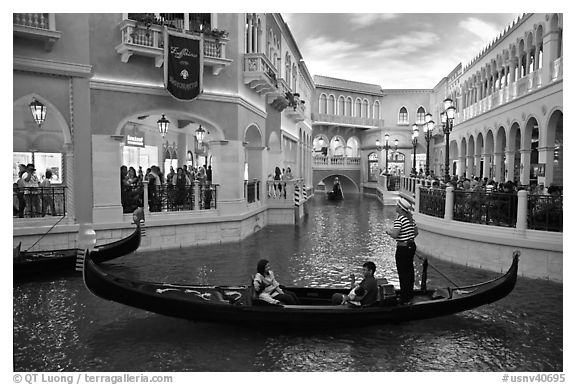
<point x="335" y="161"/>
<point x="519" y="88"/>
<point x="140" y="39"/>
<point x="31" y="202"/>
<point x="545" y="212"/>
<point x="260" y="74"/>
<point x="432" y="202"/>
<point x="38" y="26"/>
<point x="168" y="198"/>
<point x="519" y="210"/>
<point x="349" y="120"/>
<point x="497" y="209"/>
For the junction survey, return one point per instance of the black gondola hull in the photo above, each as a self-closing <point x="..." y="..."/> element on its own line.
<point x="28" y="265"/>
<point x="234" y="304"/>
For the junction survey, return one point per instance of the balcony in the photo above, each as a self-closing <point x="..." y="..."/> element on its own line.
<point x="37" y="26"/>
<point x="339" y="120"/>
<point x="260" y="75"/>
<point x="557" y="68"/>
<point x="137" y="39"/>
<point x="520" y="87"/>
<point x="335" y="162"/>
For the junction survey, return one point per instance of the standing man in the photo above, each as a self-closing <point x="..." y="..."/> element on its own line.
<point x="404" y="231"/>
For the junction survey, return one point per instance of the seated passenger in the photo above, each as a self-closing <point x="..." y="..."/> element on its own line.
<point x="365" y="293"/>
<point x="268" y="289"/>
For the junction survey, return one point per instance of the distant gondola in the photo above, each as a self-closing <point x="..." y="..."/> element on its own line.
<point x="336" y="193"/>
<point x="237" y="305"/>
<point x="32" y="264"/>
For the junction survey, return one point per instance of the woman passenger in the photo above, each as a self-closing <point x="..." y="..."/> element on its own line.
<point x="268" y="289"/>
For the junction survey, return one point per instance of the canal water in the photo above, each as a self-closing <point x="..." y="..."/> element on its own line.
<point x="60" y="326"/>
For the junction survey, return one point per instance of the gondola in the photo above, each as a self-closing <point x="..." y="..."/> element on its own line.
<point x="31" y="264"/>
<point x="236" y="304"/>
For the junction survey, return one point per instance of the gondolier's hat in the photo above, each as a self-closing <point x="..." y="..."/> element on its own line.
<point x="405" y="205"/>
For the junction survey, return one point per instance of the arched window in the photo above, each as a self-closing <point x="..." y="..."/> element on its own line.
<point x="348" y="111"/>
<point x="341" y="104"/>
<point x="358" y="108"/>
<point x="376" y="110"/>
<point x="420" y="115"/>
<point x="323" y="104"/>
<point x="288" y="66"/>
<point x="332" y="105"/>
<point x="294" y="77"/>
<point x="403" y="116"/>
<point x="365" y="107"/>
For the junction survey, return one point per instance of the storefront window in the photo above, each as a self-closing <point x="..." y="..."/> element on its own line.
<point x="138" y="156"/>
<point x="42" y="161"/>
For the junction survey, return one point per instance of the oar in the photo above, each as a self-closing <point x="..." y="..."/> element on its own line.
<point x="438" y="271"/>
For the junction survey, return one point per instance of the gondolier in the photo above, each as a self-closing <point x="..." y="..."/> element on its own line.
<point x="404" y="231"/>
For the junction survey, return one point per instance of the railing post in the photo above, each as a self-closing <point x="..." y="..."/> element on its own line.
<point x="417" y="200"/>
<point x="197" y="196"/>
<point x="449" y="208"/>
<point x="145" y="202"/>
<point x="522" y="213"/>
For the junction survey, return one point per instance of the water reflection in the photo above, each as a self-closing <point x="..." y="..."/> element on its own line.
<point x="58" y="325"/>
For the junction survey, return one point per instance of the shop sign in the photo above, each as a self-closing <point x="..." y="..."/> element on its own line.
<point x="135" y="141"/>
<point x="183" y="64"/>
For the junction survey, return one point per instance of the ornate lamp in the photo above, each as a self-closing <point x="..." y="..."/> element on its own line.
<point x="163" y="124"/>
<point x="38" y="111"/>
<point x="200" y="134"/>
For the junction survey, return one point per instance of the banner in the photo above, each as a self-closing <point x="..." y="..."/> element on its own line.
<point x="183" y="64"/>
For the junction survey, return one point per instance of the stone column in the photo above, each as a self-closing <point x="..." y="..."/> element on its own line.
<point x="83" y="159"/>
<point x="228" y="173"/>
<point x="546" y="156"/>
<point x="470" y="168"/>
<point x="69" y="181"/>
<point x="509" y="165"/>
<point x="107" y="158"/>
<point x="462" y="167"/>
<point x="498" y="174"/>
<point x="525" y="166"/>
<point x="522" y="213"/>
<point x="449" y="207"/>
<point x="487" y="165"/>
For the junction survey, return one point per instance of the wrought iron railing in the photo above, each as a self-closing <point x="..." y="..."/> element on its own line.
<point x="432" y="202"/>
<point x="169" y="198"/>
<point x="545" y="212"/>
<point x="497" y="209"/>
<point x="30" y="202"/>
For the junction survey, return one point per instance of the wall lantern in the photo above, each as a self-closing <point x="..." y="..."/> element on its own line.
<point x="38" y="111"/>
<point x="200" y="133"/>
<point x="163" y="124"/>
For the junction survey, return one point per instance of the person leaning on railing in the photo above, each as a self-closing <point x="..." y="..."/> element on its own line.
<point x="47" y="198"/>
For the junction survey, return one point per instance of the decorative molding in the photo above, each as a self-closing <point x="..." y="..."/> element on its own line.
<point x="159" y="90"/>
<point x="53" y="67"/>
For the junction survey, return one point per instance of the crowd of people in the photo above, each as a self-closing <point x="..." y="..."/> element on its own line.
<point x="485" y="184"/>
<point x="30" y="196"/>
<point x="277" y="188"/>
<point x="132" y="186"/>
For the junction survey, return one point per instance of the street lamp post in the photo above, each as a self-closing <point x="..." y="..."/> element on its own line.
<point x="447" y="118"/>
<point x="386" y="147"/>
<point x="415" y="132"/>
<point x="428" y="127"/>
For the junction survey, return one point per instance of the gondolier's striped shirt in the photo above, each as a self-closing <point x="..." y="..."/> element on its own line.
<point x="406" y="227"/>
